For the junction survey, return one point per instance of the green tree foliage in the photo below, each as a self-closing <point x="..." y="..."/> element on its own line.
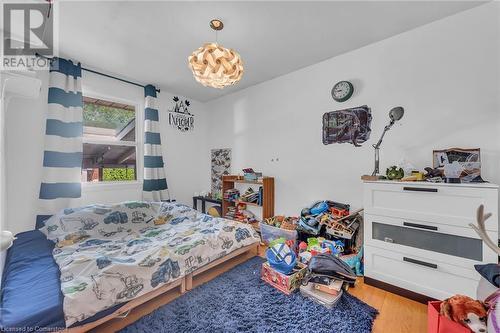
<point x="105" y="116"/>
<point x="118" y="174"/>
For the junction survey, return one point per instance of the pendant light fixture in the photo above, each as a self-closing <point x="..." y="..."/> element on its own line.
<point x="214" y="65"/>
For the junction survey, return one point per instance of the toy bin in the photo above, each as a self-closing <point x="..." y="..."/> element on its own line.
<point x="437" y="323"/>
<point x="269" y="233"/>
<point x="284" y="283"/>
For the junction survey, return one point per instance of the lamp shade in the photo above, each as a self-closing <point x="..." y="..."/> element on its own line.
<point x="216" y="66"/>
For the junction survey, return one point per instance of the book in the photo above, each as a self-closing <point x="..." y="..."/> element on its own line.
<point x="334" y="288"/>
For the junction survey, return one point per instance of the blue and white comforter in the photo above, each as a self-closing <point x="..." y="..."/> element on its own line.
<point x="109" y="254"/>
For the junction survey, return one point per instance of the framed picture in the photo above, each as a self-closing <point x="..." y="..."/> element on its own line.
<point x="459" y="163"/>
<point x="220" y="166"/>
<point x="347" y="126"/>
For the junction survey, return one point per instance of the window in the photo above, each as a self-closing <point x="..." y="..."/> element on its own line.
<point x="109" y="141"/>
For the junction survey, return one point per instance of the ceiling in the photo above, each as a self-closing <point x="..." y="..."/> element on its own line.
<point x="149" y="42"/>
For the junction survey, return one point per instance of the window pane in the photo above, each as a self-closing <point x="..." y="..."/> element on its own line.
<point x="103" y="163"/>
<point x="108" y="120"/>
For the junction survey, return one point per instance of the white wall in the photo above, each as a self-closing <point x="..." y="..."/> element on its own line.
<point x="444" y="74"/>
<point x="25" y="122"/>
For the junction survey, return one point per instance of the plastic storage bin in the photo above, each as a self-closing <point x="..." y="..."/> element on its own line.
<point x="436" y="323"/>
<point x="320" y="297"/>
<point x="269" y="233"/>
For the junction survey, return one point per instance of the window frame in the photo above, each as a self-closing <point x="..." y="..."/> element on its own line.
<point x="138" y="143"/>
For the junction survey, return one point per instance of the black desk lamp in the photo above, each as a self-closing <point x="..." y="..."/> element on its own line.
<point x="395" y="114"/>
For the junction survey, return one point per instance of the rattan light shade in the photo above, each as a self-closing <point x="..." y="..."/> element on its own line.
<point x="215" y="66"/>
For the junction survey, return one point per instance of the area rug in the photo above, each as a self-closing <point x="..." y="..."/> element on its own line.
<point x="239" y="301"/>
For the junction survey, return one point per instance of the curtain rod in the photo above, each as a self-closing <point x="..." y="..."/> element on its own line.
<point x="100" y="73"/>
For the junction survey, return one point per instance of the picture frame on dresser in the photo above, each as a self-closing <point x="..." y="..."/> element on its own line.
<point x="418" y="242"/>
<point x="468" y="161"/>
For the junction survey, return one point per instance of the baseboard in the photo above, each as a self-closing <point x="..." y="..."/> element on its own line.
<point x="398" y="290"/>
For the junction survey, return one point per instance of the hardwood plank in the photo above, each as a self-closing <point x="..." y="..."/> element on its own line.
<point x="399" y="314"/>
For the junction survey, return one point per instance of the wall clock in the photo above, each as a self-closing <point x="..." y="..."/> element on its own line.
<point x="342" y="91"/>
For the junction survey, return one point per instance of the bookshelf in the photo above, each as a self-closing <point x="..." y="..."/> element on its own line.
<point x="267" y="183"/>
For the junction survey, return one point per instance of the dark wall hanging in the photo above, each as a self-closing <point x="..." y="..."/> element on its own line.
<point x="179" y="116"/>
<point x="349" y="125"/>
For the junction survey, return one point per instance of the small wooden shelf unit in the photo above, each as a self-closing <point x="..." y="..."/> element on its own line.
<point x="267" y="184"/>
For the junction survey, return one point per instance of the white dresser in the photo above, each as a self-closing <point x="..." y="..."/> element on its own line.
<point x="417" y="236"/>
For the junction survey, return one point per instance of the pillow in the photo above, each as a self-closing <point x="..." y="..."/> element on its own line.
<point x="490" y="272"/>
<point x="70" y="220"/>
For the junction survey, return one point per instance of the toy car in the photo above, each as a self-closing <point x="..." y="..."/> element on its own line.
<point x="207" y="231"/>
<point x="241" y="234"/>
<point x="149" y="261"/>
<point x="73" y="238"/>
<point x="154" y="233"/>
<point x="106" y="261"/>
<point x="186" y="248"/>
<point x="136" y="204"/>
<point x="178" y="220"/>
<point x="135" y="242"/>
<point x="116" y="217"/>
<point x="228" y="228"/>
<point x="226" y="242"/>
<point x="94" y="242"/>
<point x="207" y="218"/>
<point x="132" y="287"/>
<point x="138" y="217"/>
<point x="178" y="241"/>
<point x="167" y="270"/>
<point x="75" y="289"/>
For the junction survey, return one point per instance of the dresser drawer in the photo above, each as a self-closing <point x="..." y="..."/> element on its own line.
<point x="455" y="245"/>
<point x="438" y="203"/>
<point x="419" y="274"/>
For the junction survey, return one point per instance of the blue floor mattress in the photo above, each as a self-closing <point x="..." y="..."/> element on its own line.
<point x="31" y="296"/>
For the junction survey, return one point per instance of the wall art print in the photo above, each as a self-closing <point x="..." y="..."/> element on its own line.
<point x="179" y="116"/>
<point x="349" y="125"/>
<point x="221" y="166"/>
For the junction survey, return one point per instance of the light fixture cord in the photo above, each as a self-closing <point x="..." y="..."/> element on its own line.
<point x="217" y="37"/>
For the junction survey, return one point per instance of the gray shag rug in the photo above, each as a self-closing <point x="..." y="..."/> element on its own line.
<point x="239" y="301"/>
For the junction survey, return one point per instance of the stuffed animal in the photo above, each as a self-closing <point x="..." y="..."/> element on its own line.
<point x="465" y="311"/>
<point x="493" y="301"/>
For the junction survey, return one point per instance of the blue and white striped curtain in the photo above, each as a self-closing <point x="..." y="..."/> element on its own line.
<point x="155" y="186"/>
<point x="62" y="156"/>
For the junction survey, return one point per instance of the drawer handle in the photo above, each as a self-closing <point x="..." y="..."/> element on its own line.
<point x="422" y="263"/>
<point x="421" y="226"/>
<point x="420" y="189"/>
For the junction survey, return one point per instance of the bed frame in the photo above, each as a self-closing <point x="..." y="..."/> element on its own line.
<point x="183" y="284"/>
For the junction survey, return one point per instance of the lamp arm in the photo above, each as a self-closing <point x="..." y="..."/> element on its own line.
<point x="386" y="128"/>
<point x="376" y="169"/>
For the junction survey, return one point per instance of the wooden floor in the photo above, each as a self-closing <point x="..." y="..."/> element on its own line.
<point x="396" y="314"/>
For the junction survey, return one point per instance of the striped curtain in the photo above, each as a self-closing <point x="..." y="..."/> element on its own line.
<point x="62" y="156"/>
<point x="155" y="184"/>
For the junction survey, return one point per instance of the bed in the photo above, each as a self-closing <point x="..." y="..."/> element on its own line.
<point x="91" y="264"/>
